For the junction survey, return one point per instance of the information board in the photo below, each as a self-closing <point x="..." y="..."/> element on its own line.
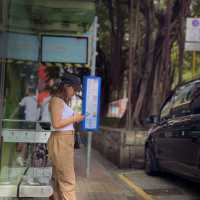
<point x="22" y="46"/>
<point x="65" y="49"/>
<point x="192" y="41"/>
<point x="193" y="30"/>
<point x="91" y="103"/>
<point x="192" y="46"/>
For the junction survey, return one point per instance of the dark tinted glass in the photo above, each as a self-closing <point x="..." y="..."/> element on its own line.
<point x="182" y="95"/>
<point x="165" y="112"/>
<point x="195" y="99"/>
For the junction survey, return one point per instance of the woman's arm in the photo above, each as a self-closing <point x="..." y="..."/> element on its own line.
<point x="56" y="109"/>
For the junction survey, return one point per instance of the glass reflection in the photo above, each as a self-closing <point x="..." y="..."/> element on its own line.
<point x="20" y="85"/>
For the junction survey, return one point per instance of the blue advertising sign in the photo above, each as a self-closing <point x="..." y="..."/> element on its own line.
<point x="91" y="103"/>
<point x="22" y="46"/>
<point x="65" y="49"/>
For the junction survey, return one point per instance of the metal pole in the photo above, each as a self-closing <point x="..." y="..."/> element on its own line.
<point x="193" y="63"/>
<point x="93" y="69"/>
<point x="3" y="65"/>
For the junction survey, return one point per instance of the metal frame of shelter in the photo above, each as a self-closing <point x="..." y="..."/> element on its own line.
<point x="19" y="188"/>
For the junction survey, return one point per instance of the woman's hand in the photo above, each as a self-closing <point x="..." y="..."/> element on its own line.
<point x="78" y="117"/>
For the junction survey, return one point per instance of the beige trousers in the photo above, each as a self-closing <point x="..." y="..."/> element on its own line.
<point x="61" y="153"/>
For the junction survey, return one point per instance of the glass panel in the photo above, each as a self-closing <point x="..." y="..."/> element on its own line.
<point x="24" y="90"/>
<point x="165" y="113"/>
<point x="23" y="137"/>
<point x="195" y="97"/>
<point x="182" y="95"/>
<point x="19" y="126"/>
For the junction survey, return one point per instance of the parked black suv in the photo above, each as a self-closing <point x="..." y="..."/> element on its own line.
<point x="173" y="143"/>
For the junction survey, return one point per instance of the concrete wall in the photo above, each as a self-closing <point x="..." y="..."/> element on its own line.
<point x="123" y="148"/>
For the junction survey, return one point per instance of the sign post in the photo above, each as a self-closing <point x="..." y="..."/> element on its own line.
<point x="3" y="49"/>
<point x="93" y="69"/>
<point x="193" y="63"/>
<point x="91" y="111"/>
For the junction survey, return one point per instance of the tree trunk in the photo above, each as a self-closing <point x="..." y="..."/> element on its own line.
<point x="162" y="72"/>
<point x="181" y="42"/>
<point x="117" y="34"/>
<point x="130" y="65"/>
<point x="150" y="70"/>
<point x="148" y="56"/>
<point x="158" y="72"/>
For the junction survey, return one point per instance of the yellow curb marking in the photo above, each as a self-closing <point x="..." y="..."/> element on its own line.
<point x="139" y="191"/>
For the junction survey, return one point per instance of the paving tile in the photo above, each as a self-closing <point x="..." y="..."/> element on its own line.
<point x="102" y="184"/>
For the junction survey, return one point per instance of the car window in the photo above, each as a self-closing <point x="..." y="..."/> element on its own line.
<point x="195" y="98"/>
<point x="195" y="92"/>
<point x="165" y="112"/>
<point x="183" y="95"/>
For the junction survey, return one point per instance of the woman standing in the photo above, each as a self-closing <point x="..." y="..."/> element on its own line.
<point x="61" y="141"/>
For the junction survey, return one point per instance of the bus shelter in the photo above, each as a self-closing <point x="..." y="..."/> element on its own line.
<point x="35" y="34"/>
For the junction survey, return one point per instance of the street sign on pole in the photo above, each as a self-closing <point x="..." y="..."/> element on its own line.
<point x="192" y="40"/>
<point x="193" y="30"/>
<point x="91" y="103"/>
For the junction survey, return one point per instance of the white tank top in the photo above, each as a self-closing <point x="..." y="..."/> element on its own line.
<point x="67" y="112"/>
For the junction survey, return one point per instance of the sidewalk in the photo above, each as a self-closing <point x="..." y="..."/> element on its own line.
<point x="103" y="183"/>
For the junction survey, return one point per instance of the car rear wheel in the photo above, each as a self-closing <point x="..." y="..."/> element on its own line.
<point x="151" y="166"/>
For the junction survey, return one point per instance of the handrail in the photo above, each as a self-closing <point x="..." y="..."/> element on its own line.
<point x="22" y="120"/>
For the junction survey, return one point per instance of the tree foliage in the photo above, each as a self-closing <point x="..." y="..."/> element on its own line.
<point x="157" y="28"/>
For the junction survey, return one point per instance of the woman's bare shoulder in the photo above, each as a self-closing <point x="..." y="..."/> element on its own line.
<point x="56" y="100"/>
